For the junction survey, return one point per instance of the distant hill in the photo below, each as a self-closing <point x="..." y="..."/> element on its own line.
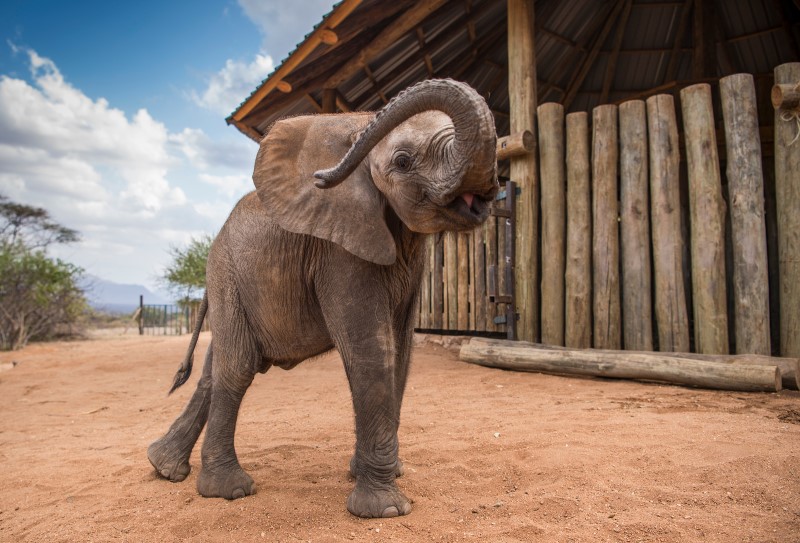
<point x="113" y="297"/>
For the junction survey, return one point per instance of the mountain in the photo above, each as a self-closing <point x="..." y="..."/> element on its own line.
<point x="113" y="297"/>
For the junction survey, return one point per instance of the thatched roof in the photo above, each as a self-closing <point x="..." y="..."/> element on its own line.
<point x="588" y="52"/>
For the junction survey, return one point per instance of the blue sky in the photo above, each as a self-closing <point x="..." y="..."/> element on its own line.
<point x="112" y="117"/>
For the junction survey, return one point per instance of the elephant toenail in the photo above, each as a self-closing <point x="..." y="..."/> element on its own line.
<point x="390" y="512"/>
<point x="238" y="493"/>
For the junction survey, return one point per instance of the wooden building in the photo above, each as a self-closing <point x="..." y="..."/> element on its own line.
<point x="597" y="261"/>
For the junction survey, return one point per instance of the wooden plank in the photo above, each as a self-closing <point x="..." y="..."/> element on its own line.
<point x="471" y="254"/>
<point x="479" y="277"/>
<point x="578" y="278"/>
<point x="425" y="289"/>
<point x="523" y="170"/>
<point x="748" y="225"/>
<point x="637" y="305"/>
<point x="643" y="366"/>
<point x="451" y="279"/>
<point x="437" y="278"/>
<point x="462" y="249"/>
<point x="787" y="189"/>
<point x="400" y="26"/>
<point x="491" y="267"/>
<point x="707" y="220"/>
<point x="605" y="229"/>
<point x="339" y="14"/>
<point x="502" y="265"/>
<point x="553" y="210"/>
<point x="672" y="320"/>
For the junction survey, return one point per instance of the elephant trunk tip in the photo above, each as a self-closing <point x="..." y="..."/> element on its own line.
<point x="327" y="178"/>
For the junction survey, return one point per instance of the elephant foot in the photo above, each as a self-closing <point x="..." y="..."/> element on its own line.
<point x="230" y="483"/>
<point x="170" y="462"/>
<point x="384" y="502"/>
<point x="399" y="468"/>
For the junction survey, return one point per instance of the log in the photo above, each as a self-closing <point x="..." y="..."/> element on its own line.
<point x="748" y="226"/>
<point x="490" y="227"/>
<point x="787" y="192"/>
<point x="479" y="277"/>
<point x="785" y="96"/>
<point x="707" y="219"/>
<point x="523" y="170"/>
<point x="578" y="288"/>
<point x="605" y="237"/>
<point x="553" y="187"/>
<point x="438" y="284"/>
<point x="516" y="144"/>
<point x="672" y="320"/>
<point x="637" y="305"/>
<point x="789" y="367"/>
<point x="624" y="365"/>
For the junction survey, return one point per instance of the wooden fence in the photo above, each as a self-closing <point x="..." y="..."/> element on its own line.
<point x="664" y="226"/>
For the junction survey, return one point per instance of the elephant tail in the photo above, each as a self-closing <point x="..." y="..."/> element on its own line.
<point x="186" y="366"/>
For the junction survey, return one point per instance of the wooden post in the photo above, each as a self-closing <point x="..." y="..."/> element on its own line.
<point x="479" y="277"/>
<point x="439" y="321"/>
<point x="605" y="236"/>
<point x="522" y="101"/>
<point x="141" y="315"/>
<point x="578" y="303"/>
<point x="665" y="208"/>
<point x="637" y="306"/>
<point x="553" y="185"/>
<point x="329" y="100"/>
<point x="519" y="143"/>
<point x="707" y="219"/>
<point x="748" y="227"/>
<point x="787" y="192"/>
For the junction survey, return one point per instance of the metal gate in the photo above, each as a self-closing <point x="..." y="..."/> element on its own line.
<point x="162" y="319"/>
<point x="468" y="284"/>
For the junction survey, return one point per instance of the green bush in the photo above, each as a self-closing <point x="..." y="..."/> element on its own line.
<point x="38" y="295"/>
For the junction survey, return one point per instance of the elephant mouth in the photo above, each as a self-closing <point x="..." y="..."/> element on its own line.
<point x="469" y="209"/>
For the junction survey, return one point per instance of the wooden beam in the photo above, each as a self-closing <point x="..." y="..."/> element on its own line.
<point x="588" y="62"/>
<point x="672" y="67"/>
<point x="306" y="48"/>
<point x="328" y="37"/>
<point x="426" y="58"/>
<point x="284" y="86"/>
<point x="329" y="100"/>
<point x="342" y="103"/>
<point x="316" y="105"/>
<point x="523" y="170"/>
<point x="390" y="34"/>
<point x="611" y="67"/>
<point x="249" y="132"/>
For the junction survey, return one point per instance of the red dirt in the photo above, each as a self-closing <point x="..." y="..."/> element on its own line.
<point x="489" y="455"/>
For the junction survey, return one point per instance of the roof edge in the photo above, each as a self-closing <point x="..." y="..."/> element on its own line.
<point x="329" y="22"/>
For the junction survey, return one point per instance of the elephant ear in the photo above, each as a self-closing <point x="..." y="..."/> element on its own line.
<point x="351" y="214"/>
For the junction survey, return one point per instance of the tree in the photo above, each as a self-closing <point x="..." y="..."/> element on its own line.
<point x="38" y="294"/>
<point x="185" y="276"/>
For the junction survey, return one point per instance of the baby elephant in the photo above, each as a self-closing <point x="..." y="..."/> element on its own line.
<point x="320" y="258"/>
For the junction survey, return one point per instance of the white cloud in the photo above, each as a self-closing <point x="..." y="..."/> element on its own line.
<point x="121" y="180"/>
<point x="233" y="83"/>
<point x="284" y="24"/>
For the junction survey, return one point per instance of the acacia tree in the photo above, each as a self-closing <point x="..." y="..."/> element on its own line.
<point x="185" y="276"/>
<point x="38" y="294"/>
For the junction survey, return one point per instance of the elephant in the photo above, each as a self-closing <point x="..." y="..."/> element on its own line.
<point x="328" y="252"/>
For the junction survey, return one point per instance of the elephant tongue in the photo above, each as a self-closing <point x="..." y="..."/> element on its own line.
<point x="468" y="197"/>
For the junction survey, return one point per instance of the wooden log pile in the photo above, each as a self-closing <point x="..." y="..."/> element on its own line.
<point x="750" y="373"/>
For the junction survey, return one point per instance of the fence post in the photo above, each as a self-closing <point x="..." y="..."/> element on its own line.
<point x="141" y="315"/>
<point x="670" y="297"/>
<point x="605" y="236"/>
<point x="551" y="166"/>
<point x="748" y="229"/>
<point x="707" y="220"/>
<point x="787" y="195"/>
<point x="578" y="297"/>
<point x="637" y="305"/>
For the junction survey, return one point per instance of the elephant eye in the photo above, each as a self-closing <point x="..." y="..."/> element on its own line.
<point x="403" y="162"/>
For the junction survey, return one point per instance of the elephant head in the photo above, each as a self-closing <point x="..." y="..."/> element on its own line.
<point x="429" y="155"/>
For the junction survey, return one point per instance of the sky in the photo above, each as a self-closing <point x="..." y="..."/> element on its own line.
<point x="112" y="117"/>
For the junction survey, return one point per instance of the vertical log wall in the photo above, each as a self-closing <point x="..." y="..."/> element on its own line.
<point x="612" y="244"/>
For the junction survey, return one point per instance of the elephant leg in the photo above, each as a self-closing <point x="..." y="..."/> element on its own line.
<point x="169" y="455"/>
<point x="221" y="475"/>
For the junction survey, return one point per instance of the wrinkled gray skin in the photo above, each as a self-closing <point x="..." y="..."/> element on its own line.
<point x="317" y="259"/>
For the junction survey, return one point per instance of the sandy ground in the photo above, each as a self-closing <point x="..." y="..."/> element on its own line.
<point x="490" y="455"/>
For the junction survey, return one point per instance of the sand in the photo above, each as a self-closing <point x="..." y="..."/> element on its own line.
<point x="490" y="455"/>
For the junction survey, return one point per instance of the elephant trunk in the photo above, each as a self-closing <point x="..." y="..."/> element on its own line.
<point x="472" y="152"/>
